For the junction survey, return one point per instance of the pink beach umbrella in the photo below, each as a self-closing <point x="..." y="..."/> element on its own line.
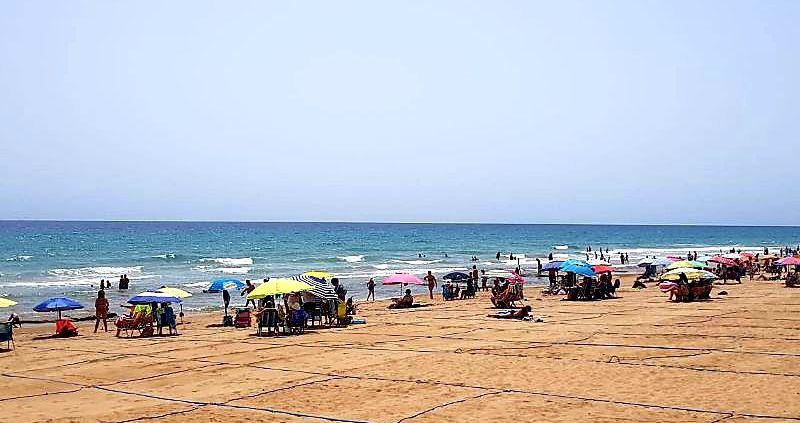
<point x="789" y="261"/>
<point x="403" y="279"/>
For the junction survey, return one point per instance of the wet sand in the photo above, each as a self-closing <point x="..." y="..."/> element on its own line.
<point x="638" y="358"/>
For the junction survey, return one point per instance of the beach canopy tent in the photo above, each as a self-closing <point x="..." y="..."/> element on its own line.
<point x="320" y="288"/>
<point x="224" y="283"/>
<point x="654" y="262"/>
<point x="457" y="276"/>
<point x="153" y="297"/>
<point x="58" y="304"/>
<point x="175" y="292"/>
<point x="723" y="260"/>
<point x="687" y="263"/>
<point x="789" y="261"/>
<point x="319" y="275"/>
<point x="691" y="273"/>
<point x="553" y="265"/>
<point x="278" y="286"/>
<point x="5" y="302"/>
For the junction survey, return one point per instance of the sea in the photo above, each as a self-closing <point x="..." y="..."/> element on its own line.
<point x="43" y="259"/>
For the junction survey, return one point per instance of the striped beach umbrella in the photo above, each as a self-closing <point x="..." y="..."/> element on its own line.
<point x="320" y="287"/>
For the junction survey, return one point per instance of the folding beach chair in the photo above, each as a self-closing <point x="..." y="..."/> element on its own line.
<point x="7" y="334"/>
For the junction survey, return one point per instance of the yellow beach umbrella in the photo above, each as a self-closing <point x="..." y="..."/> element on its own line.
<point x="278" y="286"/>
<point x="686" y="264"/>
<point x="5" y="302"/>
<point x="175" y="292"/>
<point x="674" y="275"/>
<point x="319" y="275"/>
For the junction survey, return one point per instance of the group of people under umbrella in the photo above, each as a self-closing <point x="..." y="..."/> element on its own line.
<point x="582" y="280"/>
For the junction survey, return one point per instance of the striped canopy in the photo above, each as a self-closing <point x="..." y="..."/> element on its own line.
<point x="322" y="288"/>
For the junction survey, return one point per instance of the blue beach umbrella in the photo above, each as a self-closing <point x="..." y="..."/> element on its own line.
<point x="153" y="297"/>
<point x="57" y="304"/>
<point x="225" y="283"/>
<point x="457" y="276"/>
<point x="553" y="265"/>
<point x="578" y="269"/>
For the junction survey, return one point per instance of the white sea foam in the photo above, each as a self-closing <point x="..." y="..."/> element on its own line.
<point x="561" y="247"/>
<point x="97" y="271"/>
<point x="351" y="259"/>
<point x="165" y="256"/>
<point x="418" y="262"/>
<point x="242" y="270"/>
<point x="19" y="258"/>
<point x="381" y="266"/>
<point x="227" y="261"/>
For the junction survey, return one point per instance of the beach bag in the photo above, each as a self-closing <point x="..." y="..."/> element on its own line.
<point x="227" y="321"/>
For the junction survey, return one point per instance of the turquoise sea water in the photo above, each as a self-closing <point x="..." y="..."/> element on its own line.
<point x="44" y="259"/>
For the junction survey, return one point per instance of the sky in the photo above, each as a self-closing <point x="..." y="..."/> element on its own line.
<point x="680" y="111"/>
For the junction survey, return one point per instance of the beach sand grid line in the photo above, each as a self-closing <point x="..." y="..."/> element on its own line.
<point x="403" y="334"/>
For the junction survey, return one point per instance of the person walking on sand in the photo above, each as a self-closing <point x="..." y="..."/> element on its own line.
<point x="371" y="289"/>
<point x="431" y="282"/>
<point x="247" y="290"/>
<point x="101" y="310"/>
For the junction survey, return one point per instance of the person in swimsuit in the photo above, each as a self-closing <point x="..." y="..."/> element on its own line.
<point x="431" y="282"/>
<point x="371" y="289"/>
<point x="517" y="314"/>
<point x="101" y="310"/>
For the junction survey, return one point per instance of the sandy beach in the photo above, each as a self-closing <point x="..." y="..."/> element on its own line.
<point x="638" y="358"/>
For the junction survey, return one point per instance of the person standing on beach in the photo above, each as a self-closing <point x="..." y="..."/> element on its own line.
<point x="101" y="310"/>
<point x="371" y="289"/>
<point x="431" y="282"/>
<point x="247" y="290"/>
<point x="226" y="299"/>
<point x="474" y="276"/>
<point x="538" y="267"/>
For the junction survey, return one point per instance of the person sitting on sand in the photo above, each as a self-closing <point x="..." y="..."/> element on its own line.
<point x="517" y="314"/>
<point x="405" y="302"/>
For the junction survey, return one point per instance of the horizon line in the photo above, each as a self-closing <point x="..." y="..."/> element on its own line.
<point x="395" y="222"/>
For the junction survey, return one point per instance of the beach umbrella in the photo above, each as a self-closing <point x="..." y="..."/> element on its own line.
<point x="602" y="269"/>
<point x="515" y="278"/>
<point x="578" y="269"/>
<point x="153" y="297"/>
<point x="457" y="276"/>
<point x="319" y="275"/>
<point x="403" y="279"/>
<point x="691" y="273"/>
<point x="58" y="304"/>
<point x="277" y="286"/>
<point x="5" y="302"/>
<point x="789" y="261"/>
<point x="495" y="273"/>
<point x="747" y="256"/>
<point x="577" y="262"/>
<point x="654" y="262"/>
<point x="686" y="263"/>
<point x="703" y="258"/>
<point x="225" y="283"/>
<point x="175" y="292"/>
<point x="553" y="265"/>
<point x="723" y="260"/>
<point x="320" y="287"/>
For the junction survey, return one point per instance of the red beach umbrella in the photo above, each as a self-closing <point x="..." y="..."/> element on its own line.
<point x="603" y="269"/>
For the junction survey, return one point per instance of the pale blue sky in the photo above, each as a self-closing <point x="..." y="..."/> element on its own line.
<point x="457" y="111"/>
